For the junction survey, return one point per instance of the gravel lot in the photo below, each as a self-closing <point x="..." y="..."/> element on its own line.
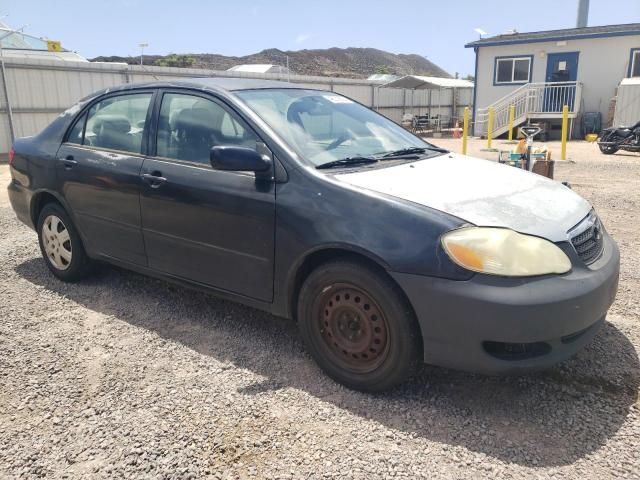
<point x="122" y="376"/>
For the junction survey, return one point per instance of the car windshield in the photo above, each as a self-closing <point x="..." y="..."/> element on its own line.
<point x="325" y="127"/>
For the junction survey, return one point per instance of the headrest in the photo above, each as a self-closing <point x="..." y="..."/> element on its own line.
<point x="195" y="119"/>
<point x="117" y="123"/>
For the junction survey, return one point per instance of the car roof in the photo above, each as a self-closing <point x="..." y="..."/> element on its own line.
<point x="228" y="84"/>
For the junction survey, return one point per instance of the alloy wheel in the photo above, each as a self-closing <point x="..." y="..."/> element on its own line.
<point x="57" y="242"/>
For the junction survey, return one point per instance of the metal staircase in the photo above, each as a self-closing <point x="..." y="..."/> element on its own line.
<point x="542" y="100"/>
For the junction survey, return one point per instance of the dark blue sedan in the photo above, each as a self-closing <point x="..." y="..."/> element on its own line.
<point x="387" y="250"/>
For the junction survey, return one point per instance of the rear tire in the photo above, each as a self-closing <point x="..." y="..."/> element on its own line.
<point x="358" y="326"/>
<point x="61" y="245"/>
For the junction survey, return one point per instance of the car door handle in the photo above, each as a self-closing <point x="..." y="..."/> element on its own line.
<point x="68" y="162"/>
<point x="154" y="179"/>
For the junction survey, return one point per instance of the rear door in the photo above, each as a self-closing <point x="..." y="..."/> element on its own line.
<point x="98" y="170"/>
<point x="209" y="226"/>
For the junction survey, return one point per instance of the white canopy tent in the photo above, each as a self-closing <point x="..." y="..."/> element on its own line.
<point x="418" y="82"/>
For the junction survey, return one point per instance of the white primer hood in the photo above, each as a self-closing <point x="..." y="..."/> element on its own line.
<point x="480" y="192"/>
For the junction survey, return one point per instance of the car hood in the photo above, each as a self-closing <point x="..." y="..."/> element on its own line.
<point x="480" y="192"/>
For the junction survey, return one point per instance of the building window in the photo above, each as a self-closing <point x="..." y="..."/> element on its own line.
<point x="634" y="65"/>
<point x="512" y="70"/>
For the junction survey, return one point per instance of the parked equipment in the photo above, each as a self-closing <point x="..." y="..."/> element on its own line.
<point x="529" y="132"/>
<point x="526" y="158"/>
<point x="621" y="138"/>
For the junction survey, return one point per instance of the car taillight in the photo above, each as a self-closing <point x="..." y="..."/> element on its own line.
<point x="12" y="153"/>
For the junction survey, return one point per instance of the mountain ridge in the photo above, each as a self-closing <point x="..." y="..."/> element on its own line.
<point x="351" y="62"/>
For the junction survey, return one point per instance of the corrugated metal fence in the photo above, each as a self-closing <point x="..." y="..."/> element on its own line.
<point x="38" y="90"/>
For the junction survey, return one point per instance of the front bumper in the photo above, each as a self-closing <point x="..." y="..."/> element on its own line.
<point x="495" y="325"/>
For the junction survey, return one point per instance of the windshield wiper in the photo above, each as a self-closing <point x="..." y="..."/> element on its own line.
<point x="413" y="151"/>
<point x="347" y="161"/>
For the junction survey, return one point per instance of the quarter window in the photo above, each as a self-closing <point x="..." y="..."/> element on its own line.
<point x="117" y="123"/>
<point x="635" y="63"/>
<point x="189" y="126"/>
<point x="76" y="135"/>
<point x="513" y="70"/>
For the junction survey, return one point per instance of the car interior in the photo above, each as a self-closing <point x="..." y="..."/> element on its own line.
<point x="187" y="130"/>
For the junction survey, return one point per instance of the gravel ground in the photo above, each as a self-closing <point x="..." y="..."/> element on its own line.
<point x="122" y="376"/>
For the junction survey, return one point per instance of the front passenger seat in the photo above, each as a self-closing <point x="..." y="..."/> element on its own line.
<point x="112" y="131"/>
<point x="195" y="134"/>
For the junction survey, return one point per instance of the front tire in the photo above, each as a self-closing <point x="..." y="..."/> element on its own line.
<point x="608" y="149"/>
<point x="358" y="326"/>
<point x="60" y="244"/>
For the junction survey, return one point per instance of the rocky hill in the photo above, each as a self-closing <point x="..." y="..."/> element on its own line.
<point x="335" y="62"/>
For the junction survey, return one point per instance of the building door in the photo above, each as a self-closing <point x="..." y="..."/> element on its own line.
<point x="561" y="68"/>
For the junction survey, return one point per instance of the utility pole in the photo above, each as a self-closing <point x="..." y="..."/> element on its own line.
<point x="288" y="71"/>
<point x="142" y="47"/>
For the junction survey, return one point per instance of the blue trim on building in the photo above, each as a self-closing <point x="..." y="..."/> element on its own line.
<point x="509" y="84"/>
<point x="630" y="69"/>
<point x="552" y="39"/>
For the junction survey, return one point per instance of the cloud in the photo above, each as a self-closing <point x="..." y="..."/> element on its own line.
<point x="254" y="11"/>
<point x="303" y="37"/>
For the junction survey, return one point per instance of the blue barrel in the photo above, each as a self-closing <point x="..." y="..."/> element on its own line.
<point x="591" y="123"/>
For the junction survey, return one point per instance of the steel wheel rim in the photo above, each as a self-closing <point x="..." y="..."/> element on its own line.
<point x="56" y="242"/>
<point x="353" y="328"/>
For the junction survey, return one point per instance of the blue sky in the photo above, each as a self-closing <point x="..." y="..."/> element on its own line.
<point x="435" y="29"/>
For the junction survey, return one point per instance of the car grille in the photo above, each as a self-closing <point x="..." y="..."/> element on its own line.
<point x="587" y="239"/>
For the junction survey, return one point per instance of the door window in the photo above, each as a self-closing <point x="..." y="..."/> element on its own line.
<point x="115" y="123"/>
<point x="189" y="126"/>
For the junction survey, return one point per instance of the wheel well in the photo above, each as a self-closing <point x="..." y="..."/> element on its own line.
<point x="38" y="203"/>
<point x="315" y="259"/>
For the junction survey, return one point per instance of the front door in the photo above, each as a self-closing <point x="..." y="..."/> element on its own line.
<point x="98" y="168"/>
<point x="561" y="67"/>
<point x="209" y="226"/>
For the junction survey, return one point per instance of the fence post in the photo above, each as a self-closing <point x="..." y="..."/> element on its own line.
<point x="565" y="124"/>
<point x="512" y="116"/>
<point x="490" y="128"/>
<point x="5" y="87"/>
<point x="465" y="130"/>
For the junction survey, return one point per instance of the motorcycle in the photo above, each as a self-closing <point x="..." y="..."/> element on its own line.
<point x="622" y="138"/>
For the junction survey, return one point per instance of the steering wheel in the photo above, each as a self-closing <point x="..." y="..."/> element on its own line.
<point x="347" y="135"/>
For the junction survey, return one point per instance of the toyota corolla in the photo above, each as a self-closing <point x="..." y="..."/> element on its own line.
<point x="387" y="250"/>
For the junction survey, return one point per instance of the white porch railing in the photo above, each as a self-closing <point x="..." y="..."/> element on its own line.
<point x="533" y="100"/>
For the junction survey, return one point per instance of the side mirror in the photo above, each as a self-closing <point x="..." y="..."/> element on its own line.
<point x="239" y="159"/>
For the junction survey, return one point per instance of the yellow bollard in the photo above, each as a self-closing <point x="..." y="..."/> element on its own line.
<point x="490" y="128"/>
<point x="512" y="117"/>
<point x="465" y="130"/>
<point x="565" y="128"/>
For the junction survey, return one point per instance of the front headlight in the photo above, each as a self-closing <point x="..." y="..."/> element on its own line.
<point x="500" y="251"/>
